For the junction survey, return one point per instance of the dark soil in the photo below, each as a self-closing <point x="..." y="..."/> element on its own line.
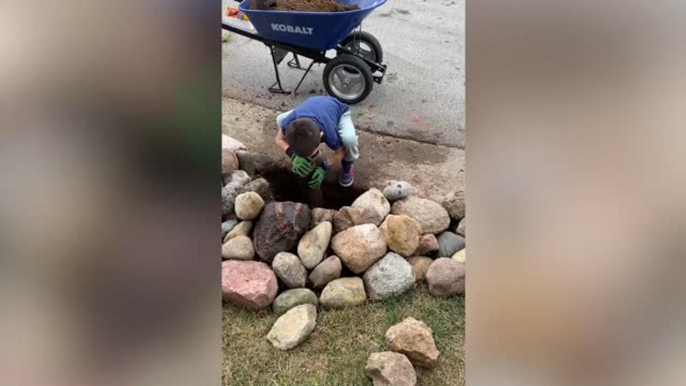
<point x="302" y="5"/>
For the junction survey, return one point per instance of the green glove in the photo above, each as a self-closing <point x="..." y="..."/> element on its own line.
<point x="301" y="165"/>
<point x="317" y="178"/>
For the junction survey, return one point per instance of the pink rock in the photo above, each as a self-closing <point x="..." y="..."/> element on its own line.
<point x="427" y="243"/>
<point x="248" y="284"/>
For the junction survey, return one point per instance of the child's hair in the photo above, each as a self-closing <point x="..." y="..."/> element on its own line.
<point x="303" y="136"/>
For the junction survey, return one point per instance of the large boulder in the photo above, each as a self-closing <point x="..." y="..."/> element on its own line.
<point x="414" y="339"/>
<point x="446" y="277"/>
<point x="397" y="190"/>
<point x="279" y="228"/>
<point x="327" y="270"/>
<point x="238" y="248"/>
<point x="454" y="203"/>
<point x="401" y="234"/>
<point x="420" y="266"/>
<point x="320" y="215"/>
<point x="290" y="270"/>
<point x="348" y="217"/>
<point x="344" y="292"/>
<point x="448" y="244"/>
<point x="293" y="298"/>
<point x="374" y="199"/>
<point x="232" y="144"/>
<point x="432" y="217"/>
<point x="259" y="186"/>
<point x="229" y="162"/>
<point x="248" y="284"/>
<point x="390" y="369"/>
<point x="293" y="327"/>
<point x="242" y="229"/>
<point x="248" y="205"/>
<point x="255" y="164"/>
<point x="390" y="276"/>
<point x="359" y="247"/>
<point x="427" y="244"/>
<point x="314" y="244"/>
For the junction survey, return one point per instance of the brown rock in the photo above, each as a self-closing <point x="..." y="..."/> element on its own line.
<point x="390" y="369"/>
<point x="279" y="228"/>
<point x="348" y="217"/>
<point x="462" y="227"/>
<point x="446" y="277"/>
<point x="454" y="203"/>
<point x="229" y="162"/>
<point x="427" y="244"/>
<point x="432" y="217"/>
<point x="248" y="284"/>
<point x="320" y="215"/>
<point x="420" y="265"/>
<point x="401" y="234"/>
<point x="414" y="339"/>
<point x="326" y="271"/>
<point x="359" y="247"/>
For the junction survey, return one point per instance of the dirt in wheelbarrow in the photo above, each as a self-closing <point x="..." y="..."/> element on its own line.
<point x="302" y="5"/>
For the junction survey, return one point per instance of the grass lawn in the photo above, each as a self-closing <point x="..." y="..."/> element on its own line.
<point x="337" y="350"/>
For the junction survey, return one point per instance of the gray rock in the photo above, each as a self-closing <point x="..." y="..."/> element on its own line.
<point x="374" y="198"/>
<point x="390" y="276"/>
<point x="237" y="179"/>
<point x="238" y="248"/>
<point x="390" y="369"/>
<point x="313" y="245"/>
<point x="228" y="199"/>
<point x="242" y="229"/>
<point x="293" y="327"/>
<point x="279" y="228"/>
<point x="261" y="187"/>
<point x="454" y="203"/>
<point x="248" y="205"/>
<point x="446" y="277"/>
<point x="344" y="292"/>
<point x="397" y="190"/>
<point x="290" y="270"/>
<point x="255" y="164"/>
<point x="432" y="217"/>
<point x="448" y="244"/>
<point x="227" y="227"/>
<point x="359" y="247"/>
<point x="326" y="271"/>
<point x="293" y="298"/>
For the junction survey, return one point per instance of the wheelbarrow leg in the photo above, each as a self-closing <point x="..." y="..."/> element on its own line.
<point x="279" y="89"/>
<point x="302" y="79"/>
<point x="295" y="63"/>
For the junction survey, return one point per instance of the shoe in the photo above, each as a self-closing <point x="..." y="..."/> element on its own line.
<point x="346" y="179"/>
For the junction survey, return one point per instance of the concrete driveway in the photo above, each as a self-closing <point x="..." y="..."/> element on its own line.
<point x="423" y="94"/>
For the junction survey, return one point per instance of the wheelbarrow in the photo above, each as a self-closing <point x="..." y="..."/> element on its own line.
<point x="348" y="76"/>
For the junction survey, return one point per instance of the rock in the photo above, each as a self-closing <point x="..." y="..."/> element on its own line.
<point x="374" y="199"/>
<point x="420" y="265"/>
<point x="401" y="234"/>
<point x="390" y="276"/>
<point x="414" y="339"/>
<point x="232" y="144"/>
<point x="327" y="270"/>
<point x="446" y="277"/>
<point x="462" y="227"/>
<point x="290" y="270"/>
<point x="238" y="248"/>
<point x="228" y="198"/>
<point x="448" y="244"/>
<point x="293" y="327"/>
<point x="454" y="203"/>
<point x="248" y="284"/>
<point x="236" y="180"/>
<point x="255" y="164"/>
<point x="344" y="292"/>
<point x="427" y="244"/>
<point x="390" y="369"/>
<point x="229" y="162"/>
<point x="432" y="217"/>
<point x="227" y="227"/>
<point x="248" y="205"/>
<point x="348" y="217"/>
<point x="293" y="298"/>
<point x="461" y="256"/>
<point x="261" y="187"/>
<point x="242" y="229"/>
<point x="359" y="247"/>
<point x="397" y="190"/>
<point x="320" y="215"/>
<point x="314" y="244"/>
<point x="279" y="228"/>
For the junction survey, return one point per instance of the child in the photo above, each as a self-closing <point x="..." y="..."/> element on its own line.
<point x="319" y="119"/>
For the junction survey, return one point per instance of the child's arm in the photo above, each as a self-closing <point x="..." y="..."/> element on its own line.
<point x="281" y="141"/>
<point x="337" y="156"/>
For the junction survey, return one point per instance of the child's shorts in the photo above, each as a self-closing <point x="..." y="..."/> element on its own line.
<point x="346" y="129"/>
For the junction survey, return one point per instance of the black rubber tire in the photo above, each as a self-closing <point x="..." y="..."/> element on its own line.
<point x="360" y="66"/>
<point x="367" y="38"/>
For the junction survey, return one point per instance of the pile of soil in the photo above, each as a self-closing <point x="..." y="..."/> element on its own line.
<point x="302" y="5"/>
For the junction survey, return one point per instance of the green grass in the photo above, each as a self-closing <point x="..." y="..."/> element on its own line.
<point x="337" y="351"/>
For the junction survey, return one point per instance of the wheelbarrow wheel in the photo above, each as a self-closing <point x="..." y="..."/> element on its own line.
<point x="348" y="79"/>
<point x="364" y="44"/>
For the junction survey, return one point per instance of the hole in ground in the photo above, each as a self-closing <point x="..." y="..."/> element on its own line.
<point x="287" y="187"/>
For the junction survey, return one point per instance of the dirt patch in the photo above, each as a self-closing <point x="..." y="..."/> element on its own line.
<point x="302" y="5"/>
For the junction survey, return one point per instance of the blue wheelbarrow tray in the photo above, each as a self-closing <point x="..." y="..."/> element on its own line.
<point x="319" y="31"/>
